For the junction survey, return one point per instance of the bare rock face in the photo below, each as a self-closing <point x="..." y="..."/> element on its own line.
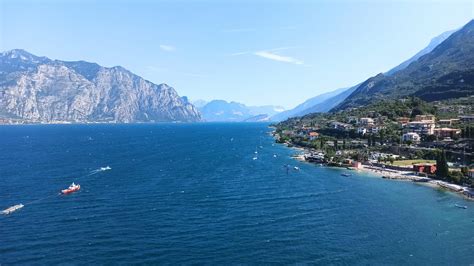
<point x="37" y="89"/>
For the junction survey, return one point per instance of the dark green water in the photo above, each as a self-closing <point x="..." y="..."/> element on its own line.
<point x="191" y="193"/>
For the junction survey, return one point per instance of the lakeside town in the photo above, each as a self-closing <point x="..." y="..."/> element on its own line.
<point x="406" y="139"/>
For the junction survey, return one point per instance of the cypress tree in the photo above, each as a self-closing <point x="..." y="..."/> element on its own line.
<point x="442" y="169"/>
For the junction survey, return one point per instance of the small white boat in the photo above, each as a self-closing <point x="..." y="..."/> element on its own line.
<point x="12" y="209"/>
<point x="460" y="206"/>
<point x="105" y="168"/>
<point x="296" y="168"/>
<point x="254" y="158"/>
<point x="274" y="155"/>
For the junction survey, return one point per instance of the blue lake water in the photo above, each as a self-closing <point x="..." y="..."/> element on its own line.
<point x="191" y="193"/>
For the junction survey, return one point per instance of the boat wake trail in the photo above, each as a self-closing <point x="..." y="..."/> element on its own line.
<point x="101" y="169"/>
<point x="19" y="206"/>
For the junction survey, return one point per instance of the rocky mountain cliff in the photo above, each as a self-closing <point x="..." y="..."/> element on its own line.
<point x="38" y="89"/>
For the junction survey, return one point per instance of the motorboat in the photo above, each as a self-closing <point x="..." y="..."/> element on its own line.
<point x="72" y="188"/>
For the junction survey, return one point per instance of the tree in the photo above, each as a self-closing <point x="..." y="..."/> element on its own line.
<point x="442" y="169"/>
<point x="391" y="160"/>
<point x="465" y="171"/>
<point x="430" y="138"/>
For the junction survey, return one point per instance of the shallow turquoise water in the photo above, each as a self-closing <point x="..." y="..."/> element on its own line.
<point x="191" y="193"/>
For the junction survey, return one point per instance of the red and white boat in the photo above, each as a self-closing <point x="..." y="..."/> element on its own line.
<point x="72" y="188"/>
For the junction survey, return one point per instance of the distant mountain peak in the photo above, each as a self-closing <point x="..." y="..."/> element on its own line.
<point x="20" y="54"/>
<point x="232" y="111"/>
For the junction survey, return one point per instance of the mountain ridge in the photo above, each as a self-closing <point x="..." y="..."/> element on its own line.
<point x="445" y="72"/>
<point x="328" y="103"/>
<point x="39" y="89"/>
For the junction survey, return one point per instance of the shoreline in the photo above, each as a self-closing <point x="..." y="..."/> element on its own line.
<point x="397" y="175"/>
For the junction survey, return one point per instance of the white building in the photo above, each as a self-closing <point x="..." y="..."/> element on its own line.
<point x="362" y="130"/>
<point x="421" y="127"/>
<point x="411" y="136"/>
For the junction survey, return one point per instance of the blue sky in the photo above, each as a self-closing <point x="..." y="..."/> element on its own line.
<point x="255" y="52"/>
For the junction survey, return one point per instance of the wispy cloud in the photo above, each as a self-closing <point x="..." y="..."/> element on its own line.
<point x="167" y="48"/>
<point x="239" y="53"/>
<point x="272" y="55"/>
<point x="280" y="58"/>
<point x="269" y="50"/>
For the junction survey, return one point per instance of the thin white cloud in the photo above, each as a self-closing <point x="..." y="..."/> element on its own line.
<point x="239" y="53"/>
<point x="279" y="58"/>
<point x="270" y="54"/>
<point x="272" y="50"/>
<point x="167" y="48"/>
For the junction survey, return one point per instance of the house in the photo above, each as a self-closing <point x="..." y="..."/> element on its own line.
<point x="313" y="135"/>
<point x="411" y="136"/>
<point x="375" y="129"/>
<point x="447" y="122"/>
<point x="347" y="162"/>
<point x="466" y="118"/>
<point x="425" y="118"/>
<point x="366" y="121"/>
<point x="446" y="132"/>
<point x="361" y="130"/>
<point x="425" y="127"/>
<point x="352" y="119"/>
<point x="339" y="125"/>
<point x="403" y="120"/>
<point x="427" y="168"/>
<point x="471" y="173"/>
<point x="357" y="165"/>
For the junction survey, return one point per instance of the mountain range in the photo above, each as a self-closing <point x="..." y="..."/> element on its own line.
<point x="41" y="90"/>
<point x="445" y="72"/>
<point x="327" y="101"/>
<point x="38" y="89"/>
<point x="223" y="111"/>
